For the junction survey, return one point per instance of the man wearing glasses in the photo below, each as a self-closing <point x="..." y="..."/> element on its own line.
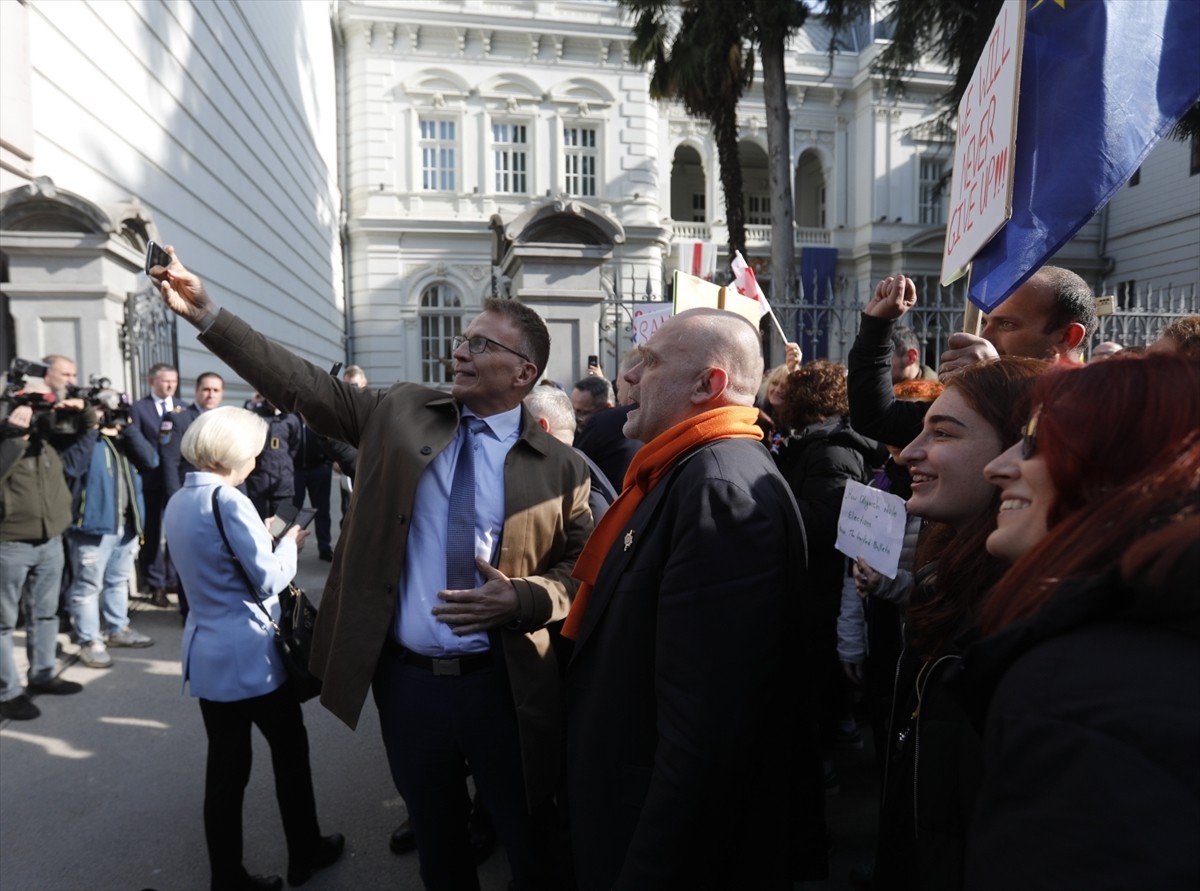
<point x="466" y="522"/>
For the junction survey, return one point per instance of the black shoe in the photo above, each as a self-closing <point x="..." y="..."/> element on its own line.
<point x="19" y="708"/>
<point x="56" y="687"/>
<point x="403" y="840"/>
<point x="328" y="851"/>
<point x="483" y="843"/>
<point x="326" y="555"/>
<point x="158" y="597"/>
<point x="482" y="832"/>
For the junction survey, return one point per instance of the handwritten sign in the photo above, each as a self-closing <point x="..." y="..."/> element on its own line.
<point x="871" y="526"/>
<point x="981" y="192"/>
<point x="647" y="319"/>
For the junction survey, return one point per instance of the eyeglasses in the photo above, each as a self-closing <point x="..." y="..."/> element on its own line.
<point x="1029" y="436"/>
<point x="478" y="343"/>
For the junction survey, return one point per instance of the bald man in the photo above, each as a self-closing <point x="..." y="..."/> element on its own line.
<point x="683" y="685"/>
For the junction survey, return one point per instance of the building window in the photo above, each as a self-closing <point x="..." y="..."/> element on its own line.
<point x="579" y="161"/>
<point x="1195" y="154"/>
<point x="510" y="155"/>
<point x="698" y="213"/>
<point x="1136" y="178"/>
<point x="439" y="147"/>
<point x="441" y="320"/>
<point x="932" y="210"/>
<point x="758" y="210"/>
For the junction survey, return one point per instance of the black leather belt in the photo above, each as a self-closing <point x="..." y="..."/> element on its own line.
<point x="447" y="666"/>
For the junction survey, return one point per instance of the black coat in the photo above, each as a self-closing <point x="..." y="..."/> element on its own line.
<point x="684" y="686"/>
<point x="603" y="440"/>
<point x="931" y="773"/>
<point x="1092" y="742"/>
<point x="874" y="409"/>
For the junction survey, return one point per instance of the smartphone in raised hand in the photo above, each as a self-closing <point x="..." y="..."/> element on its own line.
<point x="156" y="256"/>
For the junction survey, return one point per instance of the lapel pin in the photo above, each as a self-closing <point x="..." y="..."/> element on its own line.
<point x="628" y="539"/>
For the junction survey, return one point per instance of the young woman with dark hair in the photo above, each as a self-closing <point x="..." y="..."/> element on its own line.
<point x="933" y="759"/>
<point x="1090" y="678"/>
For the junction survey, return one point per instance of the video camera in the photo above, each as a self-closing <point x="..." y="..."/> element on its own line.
<point x="45" y="419"/>
<point x="50" y="418"/>
<point x="115" y="406"/>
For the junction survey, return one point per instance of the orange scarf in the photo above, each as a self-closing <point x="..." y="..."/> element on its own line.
<point x="650" y="465"/>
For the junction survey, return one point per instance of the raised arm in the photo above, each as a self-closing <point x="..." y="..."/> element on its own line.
<point x="874" y="411"/>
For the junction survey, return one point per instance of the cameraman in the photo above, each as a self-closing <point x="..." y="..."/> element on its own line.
<point x="35" y="509"/>
<point x="109" y="512"/>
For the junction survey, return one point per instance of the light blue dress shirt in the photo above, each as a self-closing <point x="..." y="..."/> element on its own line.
<point x="424" y="572"/>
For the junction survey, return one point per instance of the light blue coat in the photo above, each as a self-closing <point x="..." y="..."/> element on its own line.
<point x="228" y="647"/>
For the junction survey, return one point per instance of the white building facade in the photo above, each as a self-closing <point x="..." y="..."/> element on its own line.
<point x="208" y="126"/>
<point x="417" y="156"/>
<point x="512" y="147"/>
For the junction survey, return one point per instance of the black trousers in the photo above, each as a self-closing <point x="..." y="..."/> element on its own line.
<point x="431" y="725"/>
<point x="315" y="482"/>
<point x="278" y="716"/>
<point x="155" y="564"/>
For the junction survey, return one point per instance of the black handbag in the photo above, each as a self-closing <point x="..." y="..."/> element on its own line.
<point x="293" y="631"/>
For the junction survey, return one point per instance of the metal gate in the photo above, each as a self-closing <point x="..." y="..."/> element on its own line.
<point x="827" y="330"/>
<point x="148" y="337"/>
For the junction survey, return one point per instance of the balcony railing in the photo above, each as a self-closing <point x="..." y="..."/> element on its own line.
<point x="755" y="235"/>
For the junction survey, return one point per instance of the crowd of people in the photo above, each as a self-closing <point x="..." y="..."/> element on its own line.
<point x="620" y="611"/>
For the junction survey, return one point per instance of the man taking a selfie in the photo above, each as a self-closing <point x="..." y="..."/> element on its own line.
<point x="457" y="555"/>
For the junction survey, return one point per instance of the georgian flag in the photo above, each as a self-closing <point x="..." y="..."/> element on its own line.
<point x="746" y="284"/>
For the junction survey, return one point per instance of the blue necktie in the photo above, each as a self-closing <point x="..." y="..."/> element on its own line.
<point x="460" y="530"/>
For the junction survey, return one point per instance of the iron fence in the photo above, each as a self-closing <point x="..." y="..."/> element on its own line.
<point x="826" y="330"/>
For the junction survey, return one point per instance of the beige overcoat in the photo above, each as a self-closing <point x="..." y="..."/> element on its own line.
<point x="398" y="432"/>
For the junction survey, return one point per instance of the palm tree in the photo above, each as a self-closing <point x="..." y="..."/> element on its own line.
<point x="772" y="23"/>
<point x="702" y="57"/>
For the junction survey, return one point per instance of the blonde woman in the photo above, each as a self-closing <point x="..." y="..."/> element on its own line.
<point x="229" y="655"/>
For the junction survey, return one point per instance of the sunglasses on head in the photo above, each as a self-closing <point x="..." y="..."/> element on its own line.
<point x="1029" y="435"/>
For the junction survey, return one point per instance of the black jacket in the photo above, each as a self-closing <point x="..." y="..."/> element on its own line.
<point x="931" y="773"/>
<point x="817" y="462"/>
<point x="603" y="440"/>
<point x="1092" y="742"/>
<point x="874" y="409"/>
<point x="274" y="476"/>
<point x="683" y="687"/>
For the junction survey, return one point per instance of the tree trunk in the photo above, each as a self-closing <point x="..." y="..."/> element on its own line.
<point x="725" y="129"/>
<point x="779" y="169"/>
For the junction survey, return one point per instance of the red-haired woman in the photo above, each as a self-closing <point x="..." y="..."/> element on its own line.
<point x="1090" y="677"/>
<point x="933" y="760"/>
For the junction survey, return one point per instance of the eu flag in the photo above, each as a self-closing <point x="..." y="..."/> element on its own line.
<point x="1101" y="82"/>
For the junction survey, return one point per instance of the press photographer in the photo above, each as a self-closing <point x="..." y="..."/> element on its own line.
<point x="39" y="434"/>
<point x="108" y="511"/>
<point x="48" y="389"/>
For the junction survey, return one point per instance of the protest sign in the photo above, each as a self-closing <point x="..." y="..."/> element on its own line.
<point x="871" y="526"/>
<point x="647" y="318"/>
<point x="984" y="150"/>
